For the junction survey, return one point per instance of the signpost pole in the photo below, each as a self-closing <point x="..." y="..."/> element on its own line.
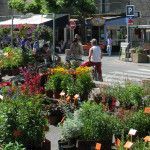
<point x="128" y="30"/>
<point x="12" y="17"/>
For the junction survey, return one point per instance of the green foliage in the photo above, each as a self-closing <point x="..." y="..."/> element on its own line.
<point x="141" y="145"/>
<point x="4" y="31"/>
<point x="13" y="146"/>
<point x="84" y="84"/>
<point x="139" y="50"/>
<point x="129" y="95"/>
<point x="54" y="82"/>
<point x="33" y="6"/>
<point x="71" y="128"/>
<point x="25" y="6"/>
<point x="18" y="5"/>
<point x="11" y="58"/>
<point x="68" y="85"/>
<point x="94" y="124"/>
<point x="140" y="122"/>
<point x="42" y="32"/>
<point x="21" y="119"/>
<point x="79" y="7"/>
<point x="98" y="125"/>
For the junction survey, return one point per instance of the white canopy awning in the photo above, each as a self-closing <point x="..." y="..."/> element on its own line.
<point x="35" y="20"/>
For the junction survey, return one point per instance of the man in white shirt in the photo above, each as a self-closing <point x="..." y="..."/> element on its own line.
<point x="95" y="56"/>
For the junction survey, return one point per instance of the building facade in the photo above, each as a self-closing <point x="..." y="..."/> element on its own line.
<point x="4" y="9"/>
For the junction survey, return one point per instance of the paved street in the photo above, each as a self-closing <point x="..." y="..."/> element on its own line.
<point x="117" y="71"/>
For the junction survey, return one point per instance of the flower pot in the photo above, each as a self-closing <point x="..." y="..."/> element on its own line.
<point x="139" y="58"/>
<point x="46" y="145"/>
<point x="54" y="119"/>
<point x="68" y="147"/>
<point x="56" y="95"/>
<point x="85" y="145"/>
<point x="49" y="93"/>
<point x="62" y="143"/>
<point x="15" y="71"/>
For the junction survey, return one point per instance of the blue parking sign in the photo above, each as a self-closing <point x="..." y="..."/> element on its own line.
<point x="130" y="10"/>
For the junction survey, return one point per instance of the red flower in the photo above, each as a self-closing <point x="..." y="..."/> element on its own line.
<point x="17" y="133"/>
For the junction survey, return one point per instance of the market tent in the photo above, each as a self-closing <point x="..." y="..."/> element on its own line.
<point x="36" y="20"/>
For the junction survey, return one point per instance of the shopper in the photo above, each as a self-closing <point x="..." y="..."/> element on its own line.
<point x="95" y="56"/>
<point x="76" y="50"/>
<point x="109" y="46"/>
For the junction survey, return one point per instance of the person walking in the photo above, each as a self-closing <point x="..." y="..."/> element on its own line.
<point x="109" y="46"/>
<point x="95" y="56"/>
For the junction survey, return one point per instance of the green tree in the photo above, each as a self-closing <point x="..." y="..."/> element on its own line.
<point x="78" y="7"/>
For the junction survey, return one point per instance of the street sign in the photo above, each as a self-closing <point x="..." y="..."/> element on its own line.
<point x="72" y="25"/>
<point x="130" y="10"/>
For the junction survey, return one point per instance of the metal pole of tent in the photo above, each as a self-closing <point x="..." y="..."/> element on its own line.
<point x="12" y="17"/>
<point x="54" y="37"/>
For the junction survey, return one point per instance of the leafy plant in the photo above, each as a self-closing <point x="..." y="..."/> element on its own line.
<point x="140" y="122"/>
<point x="54" y="82"/>
<point x="71" y="128"/>
<point x="13" y="146"/>
<point x="139" y="50"/>
<point x="22" y="120"/>
<point x="98" y="125"/>
<point x="84" y="85"/>
<point x="129" y="95"/>
<point x="67" y="81"/>
<point x="12" y="57"/>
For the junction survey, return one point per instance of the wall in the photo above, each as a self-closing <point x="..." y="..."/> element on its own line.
<point x="4" y="10"/>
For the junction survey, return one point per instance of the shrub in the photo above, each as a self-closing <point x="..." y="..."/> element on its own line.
<point x="84" y="85"/>
<point x="129" y="95"/>
<point x="54" y="82"/>
<point x="21" y="119"/>
<point x="11" y="58"/>
<point x="98" y="125"/>
<point x="13" y="146"/>
<point x="140" y="122"/>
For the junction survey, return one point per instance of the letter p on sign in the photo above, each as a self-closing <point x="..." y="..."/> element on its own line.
<point x="130" y="10"/>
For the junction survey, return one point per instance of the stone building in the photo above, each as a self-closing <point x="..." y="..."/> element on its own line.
<point x="4" y="10"/>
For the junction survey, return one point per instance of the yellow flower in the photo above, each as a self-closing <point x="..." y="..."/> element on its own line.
<point x="82" y="70"/>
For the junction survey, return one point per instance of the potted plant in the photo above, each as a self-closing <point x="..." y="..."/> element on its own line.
<point x="13" y="146"/>
<point x="139" y="121"/>
<point x="70" y="131"/>
<point x="54" y="84"/>
<point x="129" y="96"/>
<point x="22" y="120"/>
<point x="84" y="85"/>
<point x="11" y="60"/>
<point x="139" y="56"/>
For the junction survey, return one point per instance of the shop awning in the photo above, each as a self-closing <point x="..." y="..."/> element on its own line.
<point x="117" y="22"/>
